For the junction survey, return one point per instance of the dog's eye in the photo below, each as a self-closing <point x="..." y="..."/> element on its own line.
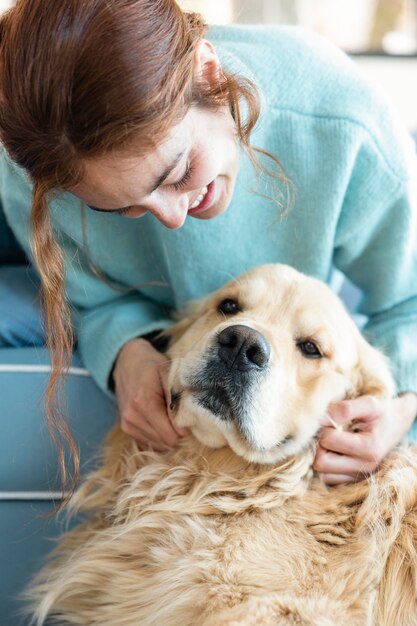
<point x="309" y="349"/>
<point x="228" y="306"/>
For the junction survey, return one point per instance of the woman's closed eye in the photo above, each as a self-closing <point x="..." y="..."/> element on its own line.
<point x="184" y="180"/>
<point x="124" y="211"/>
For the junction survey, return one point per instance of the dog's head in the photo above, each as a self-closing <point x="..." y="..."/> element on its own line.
<point x="256" y="364"/>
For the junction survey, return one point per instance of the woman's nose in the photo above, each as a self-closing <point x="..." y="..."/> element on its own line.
<point x="172" y="211"/>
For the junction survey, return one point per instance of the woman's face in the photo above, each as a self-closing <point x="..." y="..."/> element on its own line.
<point x="192" y="173"/>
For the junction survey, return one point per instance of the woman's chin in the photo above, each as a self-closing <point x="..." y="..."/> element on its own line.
<point x="211" y="212"/>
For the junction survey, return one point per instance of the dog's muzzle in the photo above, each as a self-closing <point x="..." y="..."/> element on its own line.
<point x="233" y="367"/>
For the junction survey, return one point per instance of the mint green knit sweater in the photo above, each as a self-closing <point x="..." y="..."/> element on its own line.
<point x="354" y="170"/>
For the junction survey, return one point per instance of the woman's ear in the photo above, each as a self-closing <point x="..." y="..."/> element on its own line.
<point x="373" y="375"/>
<point x="206" y="62"/>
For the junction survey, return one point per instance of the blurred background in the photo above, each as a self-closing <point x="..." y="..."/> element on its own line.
<point x="380" y="34"/>
<point x="358" y="26"/>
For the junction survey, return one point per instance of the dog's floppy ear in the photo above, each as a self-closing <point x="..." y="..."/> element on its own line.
<point x="373" y="375"/>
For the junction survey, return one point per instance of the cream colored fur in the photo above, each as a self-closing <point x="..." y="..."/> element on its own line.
<point x="226" y="529"/>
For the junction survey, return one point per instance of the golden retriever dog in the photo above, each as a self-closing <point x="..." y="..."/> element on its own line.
<point x="232" y="527"/>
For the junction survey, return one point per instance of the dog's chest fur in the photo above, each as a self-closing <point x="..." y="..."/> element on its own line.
<point x="212" y="532"/>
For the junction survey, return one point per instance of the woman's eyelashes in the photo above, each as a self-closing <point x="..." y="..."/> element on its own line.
<point x="184" y="180"/>
<point x="124" y="211"/>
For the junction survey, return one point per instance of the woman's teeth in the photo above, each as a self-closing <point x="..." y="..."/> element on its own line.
<point x="199" y="199"/>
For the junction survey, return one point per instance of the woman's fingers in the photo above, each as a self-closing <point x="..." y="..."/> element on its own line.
<point x="375" y="426"/>
<point x="363" y="444"/>
<point x="164" y="372"/>
<point x="362" y="415"/>
<point x="327" y="462"/>
<point x="364" y="407"/>
<point x="345" y="442"/>
<point x="161" y="423"/>
<point x="146" y="438"/>
<point x="151" y="418"/>
<point x="337" y="479"/>
<point x="141" y="385"/>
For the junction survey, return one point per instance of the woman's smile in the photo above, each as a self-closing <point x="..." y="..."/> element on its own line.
<point x="204" y="200"/>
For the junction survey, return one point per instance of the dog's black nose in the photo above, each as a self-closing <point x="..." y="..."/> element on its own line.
<point x="243" y="348"/>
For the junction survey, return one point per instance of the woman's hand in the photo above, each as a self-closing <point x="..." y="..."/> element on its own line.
<point x="344" y="456"/>
<point x="141" y="386"/>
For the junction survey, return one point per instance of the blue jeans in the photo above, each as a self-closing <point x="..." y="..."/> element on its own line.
<point x="20" y="319"/>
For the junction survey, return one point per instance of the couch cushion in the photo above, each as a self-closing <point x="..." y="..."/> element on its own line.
<point x="26" y="535"/>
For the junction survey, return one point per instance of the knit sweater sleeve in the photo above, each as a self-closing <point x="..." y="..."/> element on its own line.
<point x="376" y="247"/>
<point x="106" y="319"/>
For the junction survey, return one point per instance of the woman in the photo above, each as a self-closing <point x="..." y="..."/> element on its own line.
<point x="133" y="109"/>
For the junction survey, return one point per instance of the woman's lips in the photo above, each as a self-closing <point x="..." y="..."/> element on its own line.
<point x="206" y="201"/>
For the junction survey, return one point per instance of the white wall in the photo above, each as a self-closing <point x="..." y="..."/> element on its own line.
<point x="398" y="79"/>
<point x="5" y="4"/>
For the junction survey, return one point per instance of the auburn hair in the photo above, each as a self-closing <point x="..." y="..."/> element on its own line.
<point x="79" y="79"/>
